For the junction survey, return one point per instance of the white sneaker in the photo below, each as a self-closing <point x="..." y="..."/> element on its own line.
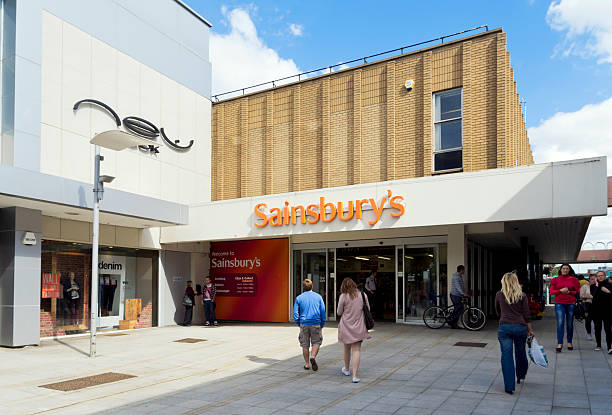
<point x="609" y="351"/>
<point x="345" y="372"/>
<point x="356" y="380"/>
<point x="589" y="337"/>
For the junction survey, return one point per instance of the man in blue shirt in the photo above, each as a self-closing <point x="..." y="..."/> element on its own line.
<point x="457" y="293"/>
<point x="309" y="314"/>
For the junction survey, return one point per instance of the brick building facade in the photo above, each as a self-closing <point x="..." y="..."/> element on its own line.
<point x="362" y="125"/>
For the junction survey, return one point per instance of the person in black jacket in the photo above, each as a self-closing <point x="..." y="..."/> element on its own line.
<point x="602" y="309"/>
<point x="189" y="308"/>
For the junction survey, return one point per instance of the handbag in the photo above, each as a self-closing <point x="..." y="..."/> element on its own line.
<point x="187" y="301"/>
<point x="367" y="315"/>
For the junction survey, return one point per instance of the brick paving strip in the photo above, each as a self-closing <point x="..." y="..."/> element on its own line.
<point x="87" y="381"/>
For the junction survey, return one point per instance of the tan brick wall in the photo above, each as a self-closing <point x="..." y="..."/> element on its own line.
<point x="361" y="125"/>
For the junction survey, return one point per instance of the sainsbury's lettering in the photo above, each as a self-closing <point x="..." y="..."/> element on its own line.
<point x="327" y="211"/>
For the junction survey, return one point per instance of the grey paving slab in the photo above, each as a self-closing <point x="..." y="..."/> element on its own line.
<point x="404" y="370"/>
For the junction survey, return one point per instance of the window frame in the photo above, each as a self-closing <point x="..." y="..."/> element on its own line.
<point x="433" y="133"/>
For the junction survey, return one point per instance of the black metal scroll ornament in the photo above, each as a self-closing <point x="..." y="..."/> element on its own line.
<point x="175" y="144"/>
<point x="101" y="104"/>
<point x="139" y="126"/>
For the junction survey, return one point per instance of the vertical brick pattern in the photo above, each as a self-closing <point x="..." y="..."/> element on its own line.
<point x="390" y="126"/>
<point x="427" y="120"/>
<point x="408" y="131"/>
<point x="341" y="130"/>
<point x="373" y="124"/>
<point x="361" y="125"/>
<point x="447" y="68"/>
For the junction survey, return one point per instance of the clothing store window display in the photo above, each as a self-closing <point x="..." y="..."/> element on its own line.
<point x="73" y="298"/>
<point x="106" y="294"/>
<point x="208" y="295"/>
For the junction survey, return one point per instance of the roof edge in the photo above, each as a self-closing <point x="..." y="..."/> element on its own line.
<point x="193" y="12"/>
<point x="365" y="65"/>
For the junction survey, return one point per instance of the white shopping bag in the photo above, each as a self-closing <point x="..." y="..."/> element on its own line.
<point x="536" y="353"/>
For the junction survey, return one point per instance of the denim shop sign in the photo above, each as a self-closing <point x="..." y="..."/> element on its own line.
<point x="138" y="126"/>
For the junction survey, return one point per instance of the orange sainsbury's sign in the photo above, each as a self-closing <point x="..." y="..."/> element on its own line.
<point x="327" y="211"/>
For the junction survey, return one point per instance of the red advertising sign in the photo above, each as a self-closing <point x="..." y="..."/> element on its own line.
<point x="50" y="285"/>
<point x="252" y="279"/>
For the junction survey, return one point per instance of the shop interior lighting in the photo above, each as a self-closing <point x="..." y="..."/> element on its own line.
<point x="409" y="257"/>
<point x="384" y="257"/>
<point x="341" y="259"/>
<point x="430" y="255"/>
<point x="362" y="258"/>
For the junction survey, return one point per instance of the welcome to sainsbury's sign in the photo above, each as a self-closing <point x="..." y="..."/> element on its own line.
<point x="327" y="211"/>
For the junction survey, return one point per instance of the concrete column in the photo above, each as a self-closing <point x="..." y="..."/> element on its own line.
<point x="456" y="254"/>
<point x="19" y="277"/>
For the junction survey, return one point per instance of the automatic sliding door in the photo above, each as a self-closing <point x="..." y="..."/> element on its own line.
<point x="315" y="268"/>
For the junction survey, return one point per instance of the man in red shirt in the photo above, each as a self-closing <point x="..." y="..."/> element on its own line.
<point x="564" y="288"/>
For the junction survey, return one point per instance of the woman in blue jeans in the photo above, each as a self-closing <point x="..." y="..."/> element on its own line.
<point x="512" y="307"/>
<point x="565" y="287"/>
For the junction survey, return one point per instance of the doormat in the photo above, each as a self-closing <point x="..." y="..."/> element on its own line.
<point x="190" y="340"/>
<point x="470" y="344"/>
<point x="86" y="382"/>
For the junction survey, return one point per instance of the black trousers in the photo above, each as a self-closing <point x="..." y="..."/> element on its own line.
<point x="607" y="326"/>
<point x="588" y="319"/>
<point x="188" y="315"/>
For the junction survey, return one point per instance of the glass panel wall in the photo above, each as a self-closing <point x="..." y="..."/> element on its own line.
<point x="331" y="280"/>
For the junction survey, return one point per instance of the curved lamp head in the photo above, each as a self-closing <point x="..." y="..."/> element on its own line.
<point x="119" y="140"/>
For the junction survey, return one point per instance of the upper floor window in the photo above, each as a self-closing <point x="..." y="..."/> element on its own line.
<point x="448" y="136"/>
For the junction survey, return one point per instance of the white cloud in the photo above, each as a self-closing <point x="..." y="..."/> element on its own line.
<point x="600" y="229"/>
<point x="588" y="24"/>
<point x="570" y="135"/>
<point x="296" y="29"/>
<point x="241" y="58"/>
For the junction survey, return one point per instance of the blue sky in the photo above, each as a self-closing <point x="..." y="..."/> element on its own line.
<point x="561" y="52"/>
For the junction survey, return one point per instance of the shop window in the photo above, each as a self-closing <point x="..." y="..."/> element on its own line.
<point x="448" y="136"/>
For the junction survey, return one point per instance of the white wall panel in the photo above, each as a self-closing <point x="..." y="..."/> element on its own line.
<point x="78" y="66"/>
<point x="51" y="150"/>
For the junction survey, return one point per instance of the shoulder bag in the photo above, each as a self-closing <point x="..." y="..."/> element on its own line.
<point x="367" y="315"/>
<point x="187" y="300"/>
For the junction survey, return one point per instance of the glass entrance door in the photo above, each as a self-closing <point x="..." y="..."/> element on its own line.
<point x="420" y="280"/>
<point x="318" y="266"/>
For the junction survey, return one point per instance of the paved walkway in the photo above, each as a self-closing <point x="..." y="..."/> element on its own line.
<point x="256" y="369"/>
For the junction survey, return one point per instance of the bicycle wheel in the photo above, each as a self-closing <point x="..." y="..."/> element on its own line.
<point x="473" y="319"/>
<point x="434" y="317"/>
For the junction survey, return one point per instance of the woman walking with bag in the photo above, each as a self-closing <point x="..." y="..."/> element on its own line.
<point x="602" y="309"/>
<point x="351" y="329"/>
<point x="564" y="288"/>
<point x="512" y="307"/>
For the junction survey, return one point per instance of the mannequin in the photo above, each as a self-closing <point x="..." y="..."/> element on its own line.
<point x="73" y="298"/>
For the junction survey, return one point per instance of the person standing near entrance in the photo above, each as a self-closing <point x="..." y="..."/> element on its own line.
<point x="565" y="287"/>
<point x="351" y="329"/>
<point x="188" y="307"/>
<point x="602" y="309"/>
<point x="512" y="307"/>
<point x="208" y="292"/>
<point x="457" y="293"/>
<point x="370" y="288"/>
<point x="309" y="315"/>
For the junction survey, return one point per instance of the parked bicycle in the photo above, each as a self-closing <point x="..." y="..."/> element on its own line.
<point x="473" y="318"/>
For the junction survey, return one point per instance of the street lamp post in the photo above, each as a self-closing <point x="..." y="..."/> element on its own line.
<point x="114" y="140"/>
